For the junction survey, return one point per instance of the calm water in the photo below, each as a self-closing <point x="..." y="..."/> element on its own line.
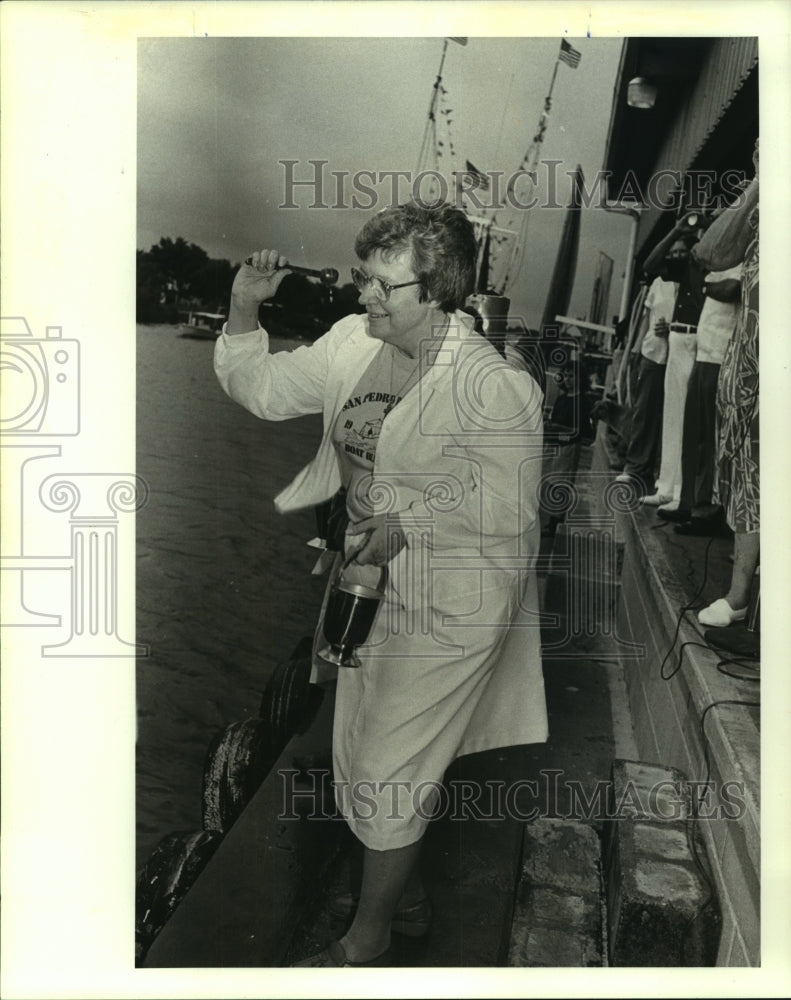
<point x="224" y="589"/>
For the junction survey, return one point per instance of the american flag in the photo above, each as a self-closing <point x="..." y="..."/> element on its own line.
<point x="480" y="179"/>
<point x="568" y="55"/>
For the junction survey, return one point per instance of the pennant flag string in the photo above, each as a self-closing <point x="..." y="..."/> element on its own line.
<point x="571" y="57"/>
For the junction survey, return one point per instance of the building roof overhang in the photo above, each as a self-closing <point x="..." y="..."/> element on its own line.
<point x="636" y="135"/>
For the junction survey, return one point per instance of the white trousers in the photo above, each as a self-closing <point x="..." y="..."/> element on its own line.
<point x="681" y="351"/>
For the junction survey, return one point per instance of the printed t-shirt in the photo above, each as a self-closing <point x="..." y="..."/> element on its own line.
<point x="356" y="432"/>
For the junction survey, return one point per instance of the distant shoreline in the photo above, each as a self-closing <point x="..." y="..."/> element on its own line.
<point x="282" y="338"/>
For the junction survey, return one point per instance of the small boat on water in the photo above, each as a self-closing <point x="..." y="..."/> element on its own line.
<point x="202" y="325"/>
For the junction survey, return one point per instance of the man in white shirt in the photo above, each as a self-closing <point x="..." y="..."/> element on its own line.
<point x="646" y="428"/>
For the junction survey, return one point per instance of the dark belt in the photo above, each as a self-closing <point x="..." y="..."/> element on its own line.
<point x="683" y="328"/>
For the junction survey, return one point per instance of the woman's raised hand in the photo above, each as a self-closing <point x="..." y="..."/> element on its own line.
<point x="254" y="283"/>
<point x="259" y="280"/>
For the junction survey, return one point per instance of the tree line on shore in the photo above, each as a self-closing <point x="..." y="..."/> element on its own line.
<point x="175" y="276"/>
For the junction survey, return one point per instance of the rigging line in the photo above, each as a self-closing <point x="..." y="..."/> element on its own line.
<point x="428" y="150"/>
<point x="531" y="161"/>
<point x="502" y="118"/>
<point x="447" y="135"/>
<point x="432" y="108"/>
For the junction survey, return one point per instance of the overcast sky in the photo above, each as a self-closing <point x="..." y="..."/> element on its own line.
<point x="216" y="115"/>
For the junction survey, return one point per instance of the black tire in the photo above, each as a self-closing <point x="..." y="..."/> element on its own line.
<point x="237" y="761"/>
<point x="290" y="702"/>
<point x="170" y="871"/>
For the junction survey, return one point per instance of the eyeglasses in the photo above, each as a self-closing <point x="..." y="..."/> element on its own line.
<point x="379" y="286"/>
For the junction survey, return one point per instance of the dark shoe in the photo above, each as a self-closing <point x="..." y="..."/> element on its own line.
<point x="410" y="921"/>
<point x="679" y="515"/>
<point x="334" y="957"/>
<point x="704" y="527"/>
<point x="740" y="642"/>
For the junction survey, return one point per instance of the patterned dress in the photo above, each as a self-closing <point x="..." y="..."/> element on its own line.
<point x="738" y="486"/>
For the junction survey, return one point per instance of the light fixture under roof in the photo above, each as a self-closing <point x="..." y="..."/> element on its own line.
<point x="641" y="93"/>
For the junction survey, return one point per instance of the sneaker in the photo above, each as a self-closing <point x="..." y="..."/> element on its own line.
<point x="720" y="614"/>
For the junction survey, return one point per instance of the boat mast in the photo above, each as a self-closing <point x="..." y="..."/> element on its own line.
<point x="562" y="282"/>
<point x="428" y="147"/>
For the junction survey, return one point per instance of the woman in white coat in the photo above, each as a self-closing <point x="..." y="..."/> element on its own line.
<point x="436" y="441"/>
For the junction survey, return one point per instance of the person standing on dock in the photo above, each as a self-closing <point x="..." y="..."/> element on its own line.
<point x="672" y="260"/>
<point x="642" y="450"/>
<point x="731" y="240"/>
<point x="444" y="494"/>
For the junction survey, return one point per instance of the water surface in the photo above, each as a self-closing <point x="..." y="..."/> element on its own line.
<point x="224" y="589"/>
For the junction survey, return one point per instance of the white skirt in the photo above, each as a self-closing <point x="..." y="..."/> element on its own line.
<point x="429" y="689"/>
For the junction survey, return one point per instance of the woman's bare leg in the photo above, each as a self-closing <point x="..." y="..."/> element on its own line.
<point x="388" y="877"/>
<point x="746" y="548"/>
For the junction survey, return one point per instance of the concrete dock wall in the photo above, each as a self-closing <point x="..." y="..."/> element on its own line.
<point x="686" y="717"/>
